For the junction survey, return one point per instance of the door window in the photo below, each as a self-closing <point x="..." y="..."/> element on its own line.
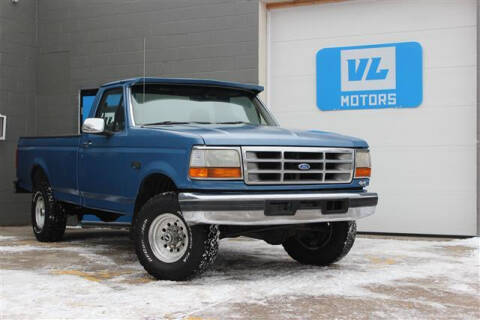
<point x="111" y="109"/>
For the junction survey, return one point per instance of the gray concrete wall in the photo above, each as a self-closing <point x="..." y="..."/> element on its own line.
<point x="18" y="49"/>
<point x="84" y="43"/>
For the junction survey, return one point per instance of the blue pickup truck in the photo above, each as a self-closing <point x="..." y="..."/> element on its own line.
<point x="185" y="162"/>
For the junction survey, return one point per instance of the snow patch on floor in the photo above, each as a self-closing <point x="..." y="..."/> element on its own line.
<point x="473" y="242"/>
<point x="92" y="253"/>
<point x="246" y="272"/>
<point x="7" y="238"/>
<point x="22" y="248"/>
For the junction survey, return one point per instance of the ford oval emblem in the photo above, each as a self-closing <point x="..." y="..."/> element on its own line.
<point x="304" y="166"/>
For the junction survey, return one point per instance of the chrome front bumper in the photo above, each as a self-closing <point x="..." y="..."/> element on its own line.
<point x="275" y="208"/>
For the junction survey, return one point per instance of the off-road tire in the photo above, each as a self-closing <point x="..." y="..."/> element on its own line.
<point x="335" y="247"/>
<point x="55" y="220"/>
<point x="202" y="246"/>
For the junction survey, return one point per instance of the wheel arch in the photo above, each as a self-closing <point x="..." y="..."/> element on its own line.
<point x="151" y="185"/>
<point x="37" y="168"/>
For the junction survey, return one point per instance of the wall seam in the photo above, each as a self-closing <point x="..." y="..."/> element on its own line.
<point x="478" y="120"/>
<point x="35" y="68"/>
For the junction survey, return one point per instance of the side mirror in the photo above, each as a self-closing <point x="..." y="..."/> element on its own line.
<point x="94" y="125"/>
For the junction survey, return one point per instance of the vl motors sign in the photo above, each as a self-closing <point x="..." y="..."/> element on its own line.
<point x="370" y="77"/>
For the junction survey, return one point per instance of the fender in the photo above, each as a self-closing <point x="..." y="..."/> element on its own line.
<point x="159" y="167"/>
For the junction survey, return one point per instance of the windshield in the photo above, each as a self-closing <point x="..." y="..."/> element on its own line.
<point x="157" y="104"/>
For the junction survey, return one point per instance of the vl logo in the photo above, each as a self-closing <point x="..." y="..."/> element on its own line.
<point x="368" y="69"/>
<point x="357" y="72"/>
<point x="366" y="75"/>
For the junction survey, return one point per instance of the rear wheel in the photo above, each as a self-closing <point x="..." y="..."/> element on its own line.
<point x="166" y="246"/>
<point x="48" y="217"/>
<point x="323" y="247"/>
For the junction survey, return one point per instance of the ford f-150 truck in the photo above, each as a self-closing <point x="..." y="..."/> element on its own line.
<point x="185" y="162"/>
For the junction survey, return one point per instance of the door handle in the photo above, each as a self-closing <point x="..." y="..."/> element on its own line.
<point x="86" y="144"/>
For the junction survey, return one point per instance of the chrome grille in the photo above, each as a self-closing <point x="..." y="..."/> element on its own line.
<point x="297" y="165"/>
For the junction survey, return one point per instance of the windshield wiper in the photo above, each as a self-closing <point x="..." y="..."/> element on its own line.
<point x="234" y="122"/>
<point x="164" y="123"/>
<point x="161" y="123"/>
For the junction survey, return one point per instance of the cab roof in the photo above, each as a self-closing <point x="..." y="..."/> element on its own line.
<point x="255" y="89"/>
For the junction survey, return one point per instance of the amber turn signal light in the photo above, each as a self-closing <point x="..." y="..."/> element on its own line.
<point x="198" y="172"/>
<point x="363" y="172"/>
<point x="222" y="173"/>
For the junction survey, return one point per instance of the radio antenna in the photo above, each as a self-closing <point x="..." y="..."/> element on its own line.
<point x="144" y="65"/>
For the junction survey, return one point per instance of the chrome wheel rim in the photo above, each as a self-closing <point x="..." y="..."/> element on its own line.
<point x="168" y="237"/>
<point x="40" y="212"/>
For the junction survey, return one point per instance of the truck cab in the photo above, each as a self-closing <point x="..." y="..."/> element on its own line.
<point x="185" y="162"/>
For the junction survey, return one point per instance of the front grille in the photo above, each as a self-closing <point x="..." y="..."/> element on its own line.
<point x="297" y="165"/>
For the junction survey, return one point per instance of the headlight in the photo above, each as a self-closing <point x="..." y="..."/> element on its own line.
<point x="362" y="164"/>
<point x="215" y="163"/>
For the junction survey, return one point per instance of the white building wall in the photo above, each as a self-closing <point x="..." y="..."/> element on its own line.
<point x="424" y="158"/>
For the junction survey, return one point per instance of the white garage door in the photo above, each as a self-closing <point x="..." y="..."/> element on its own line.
<point x="424" y="158"/>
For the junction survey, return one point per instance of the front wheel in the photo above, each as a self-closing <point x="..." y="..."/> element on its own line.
<point x="324" y="246"/>
<point x="166" y="246"/>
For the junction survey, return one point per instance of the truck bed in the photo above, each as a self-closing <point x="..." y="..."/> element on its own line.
<point x="59" y="152"/>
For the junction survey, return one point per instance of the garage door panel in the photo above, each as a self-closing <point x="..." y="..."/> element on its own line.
<point x="424" y="158"/>
<point x="285" y="92"/>
<point x="456" y="48"/>
<point x="415" y="213"/>
<point x="449" y="86"/>
<point x="338" y="19"/>
<point x="395" y="125"/>
<point x="423" y="169"/>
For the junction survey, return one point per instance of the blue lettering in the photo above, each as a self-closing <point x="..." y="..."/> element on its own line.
<point x="356" y="73"/>
<point x="374" y="73"/>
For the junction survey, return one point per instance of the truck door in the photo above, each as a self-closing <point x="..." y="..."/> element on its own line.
<point x="100" y="157"/>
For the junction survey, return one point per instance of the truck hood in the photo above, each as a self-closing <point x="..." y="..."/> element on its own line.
<point x="238" y="135"/>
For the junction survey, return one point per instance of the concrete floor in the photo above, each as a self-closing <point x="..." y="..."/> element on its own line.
<point x="94" y="274"/>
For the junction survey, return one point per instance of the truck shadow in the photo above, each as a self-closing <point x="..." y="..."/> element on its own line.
<point x="250" y="260"/>
<point x="237" y="258"/>
<point x="77" y="234"/>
